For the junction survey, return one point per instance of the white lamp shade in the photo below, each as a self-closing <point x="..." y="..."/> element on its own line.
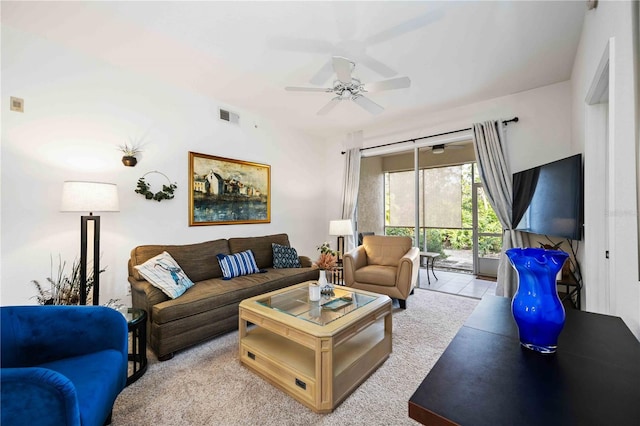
<point x="89" y="197"/>
<point x="340" y="227"/>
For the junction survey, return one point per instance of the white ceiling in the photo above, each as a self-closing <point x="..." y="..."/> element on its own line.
<point x="243" y="54"/>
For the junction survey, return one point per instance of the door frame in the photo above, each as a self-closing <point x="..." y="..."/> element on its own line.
<point x="598" y="218"/>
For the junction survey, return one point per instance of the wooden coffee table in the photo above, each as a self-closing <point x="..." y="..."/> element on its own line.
<point x="317" y="352"/>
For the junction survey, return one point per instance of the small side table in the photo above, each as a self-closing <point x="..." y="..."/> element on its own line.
<point x="337" y="275"/>
<point x="572" y="288"/>
<point x="137" y="324"/>
<point x="431" y="258"/>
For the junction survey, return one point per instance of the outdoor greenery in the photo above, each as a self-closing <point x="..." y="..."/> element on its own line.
<point x="434" y="238"/>
<point x="455" y="239"/>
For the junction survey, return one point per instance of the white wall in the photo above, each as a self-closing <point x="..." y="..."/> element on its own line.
<point x="611" y="22"/>
<point x="77" y="111"/>
<point x="543" y="133"/>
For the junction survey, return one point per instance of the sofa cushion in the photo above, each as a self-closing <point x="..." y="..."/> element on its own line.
<point x="235" y="265"/>
<point x="385" y="250"/>
<point x="376" y="274"/>
<point x="198" y="260"/>
<point x="285" y="257"/>
<point x="261" y="247"/>
<point x="212" y="294"/>
<point x="163" y="272"/>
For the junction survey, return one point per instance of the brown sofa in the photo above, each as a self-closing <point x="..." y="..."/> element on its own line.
<point x="210" y="307"/>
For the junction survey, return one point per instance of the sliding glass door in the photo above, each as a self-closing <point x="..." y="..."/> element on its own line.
<point x="487" y="235"/>
<point x="454" y="217"/>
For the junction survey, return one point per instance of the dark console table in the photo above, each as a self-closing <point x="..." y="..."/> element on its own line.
<point x="485" y="378"/>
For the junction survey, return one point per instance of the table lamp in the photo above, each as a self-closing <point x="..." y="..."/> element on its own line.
<point x="340" y="228"/>
<point x="89" y="197"/>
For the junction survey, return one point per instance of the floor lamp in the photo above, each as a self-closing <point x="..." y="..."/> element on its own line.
<point x="340" y="228"/>
<point x="89" y="197"/>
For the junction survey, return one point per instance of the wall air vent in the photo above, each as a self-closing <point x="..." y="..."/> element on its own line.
<point x="229" y="116"/>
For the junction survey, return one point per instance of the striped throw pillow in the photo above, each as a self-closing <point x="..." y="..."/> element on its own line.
<point x="235" y="265"/>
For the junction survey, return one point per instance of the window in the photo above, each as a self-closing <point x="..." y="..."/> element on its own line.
<point x="446" y="213"/>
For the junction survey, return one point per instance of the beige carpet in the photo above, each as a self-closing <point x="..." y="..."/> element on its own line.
<point x="206" y="385"/>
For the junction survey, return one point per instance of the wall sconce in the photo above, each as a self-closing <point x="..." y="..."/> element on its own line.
<point x="129" y="159"/>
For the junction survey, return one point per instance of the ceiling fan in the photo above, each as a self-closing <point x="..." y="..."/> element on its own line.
<point x="346" y="87"/>
<point x="346" y="14"/>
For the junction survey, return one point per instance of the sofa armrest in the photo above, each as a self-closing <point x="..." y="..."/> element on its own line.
<point x="352" y="261"/>
<point x="305" y="261"/>
<point x="31" y="394"/>
<point x="145" y="296"/>
<point x="407" y="273"/>
<point x="33" y="335"/>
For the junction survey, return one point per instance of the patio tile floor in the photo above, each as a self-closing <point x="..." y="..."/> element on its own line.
<point x="456" y="283"/>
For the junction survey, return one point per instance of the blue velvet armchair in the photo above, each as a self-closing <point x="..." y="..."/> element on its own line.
<point x="61" y="365"/>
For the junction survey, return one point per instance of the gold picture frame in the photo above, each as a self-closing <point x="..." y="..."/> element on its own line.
<point x="223" y="191"/>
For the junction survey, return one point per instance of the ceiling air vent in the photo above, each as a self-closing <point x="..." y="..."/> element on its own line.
<point x="229" y="116"/>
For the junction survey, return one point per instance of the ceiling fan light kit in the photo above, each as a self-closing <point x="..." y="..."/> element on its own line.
<point x="438" y="149"/>
<point x="347" y="87"/>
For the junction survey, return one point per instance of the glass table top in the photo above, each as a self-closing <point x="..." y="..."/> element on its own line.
<point x="133" y="315"/>
<point x="296" y="303"/>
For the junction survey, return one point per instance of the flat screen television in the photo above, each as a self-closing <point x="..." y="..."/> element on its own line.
<point x="548" y="199"/>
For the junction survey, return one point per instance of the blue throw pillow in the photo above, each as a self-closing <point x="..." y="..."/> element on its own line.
<point x="234" y="265"/>
<point x="285" y="257"/>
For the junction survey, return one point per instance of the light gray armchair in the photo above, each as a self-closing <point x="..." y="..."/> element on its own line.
<point x="383" y="264"/>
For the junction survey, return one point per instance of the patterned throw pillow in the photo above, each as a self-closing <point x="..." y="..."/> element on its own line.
<point x="285" y="257"/>
<point x="234" y="265"/>
<point x="164" y="273"/>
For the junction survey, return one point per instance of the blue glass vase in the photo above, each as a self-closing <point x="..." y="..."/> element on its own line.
<point x="536" y="307"/>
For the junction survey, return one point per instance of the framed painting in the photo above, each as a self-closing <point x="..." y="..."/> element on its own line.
<point x="223" y="191"/>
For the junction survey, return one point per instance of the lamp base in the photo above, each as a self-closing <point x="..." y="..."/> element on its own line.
<point x="83" y="259"/>
<point x="340" y="249"/>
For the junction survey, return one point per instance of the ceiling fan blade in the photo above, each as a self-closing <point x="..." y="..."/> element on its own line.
<point x="300" y="45"/>
<point x="368" y="104"/>
<point x="377" y="66"/>
<point x="307" y="89"/>
<point x="405" y="27"/>
<point x="394" y="83"/>
<point x="328" y="107"/>
<point x="323" y="75"/>
<point x="342" y="67"/>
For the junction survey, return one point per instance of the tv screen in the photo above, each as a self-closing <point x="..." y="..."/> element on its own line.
<point x="547" y="199"/>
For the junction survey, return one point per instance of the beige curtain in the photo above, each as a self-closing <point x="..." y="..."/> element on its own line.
<point x="350" y="191"/>
<point x="488" y="143"/>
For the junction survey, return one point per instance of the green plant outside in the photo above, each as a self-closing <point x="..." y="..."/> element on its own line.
<point x="434" y="238"/>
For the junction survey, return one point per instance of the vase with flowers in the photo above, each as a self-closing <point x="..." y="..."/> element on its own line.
<point x="327" y="260"/>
